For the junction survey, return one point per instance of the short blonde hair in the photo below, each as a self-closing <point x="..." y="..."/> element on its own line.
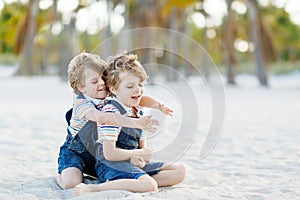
<point x="123" y="63"/>
<point x="78" y="65"/>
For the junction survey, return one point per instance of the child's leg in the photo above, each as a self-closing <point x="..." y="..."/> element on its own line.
<point x="144" y="183"/>
<point x="170" y="174"/>
<point x="69" y="178"/>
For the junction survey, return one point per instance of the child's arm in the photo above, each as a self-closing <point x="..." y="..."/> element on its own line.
<point x="150" y="102"/>
<point x="143" y="145"/>
<point x="137" y="161"/>
<point x="145" y="123"/>
<point x="112" y="153"/>
<point x="140" y="161"/>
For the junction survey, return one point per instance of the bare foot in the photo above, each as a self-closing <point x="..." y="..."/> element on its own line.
<point x="81" y="189"/>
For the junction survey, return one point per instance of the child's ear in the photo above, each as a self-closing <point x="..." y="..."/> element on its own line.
<point x="80" y="88"/>
<point x="113" y="90"/>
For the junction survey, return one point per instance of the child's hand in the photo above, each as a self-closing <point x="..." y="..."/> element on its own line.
<point x="147" y="154"/>
<point x="137" y="161"/>
<point x="147" y="123"/>
<point x="164" y="109"/>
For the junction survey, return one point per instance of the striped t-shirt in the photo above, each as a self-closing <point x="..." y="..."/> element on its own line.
<point x="80" y="108"/>
<point x="109" y="132"/>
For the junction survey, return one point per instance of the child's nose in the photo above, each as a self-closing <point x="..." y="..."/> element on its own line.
<point x="101" y="82"/>
<point x="138" y="88"/>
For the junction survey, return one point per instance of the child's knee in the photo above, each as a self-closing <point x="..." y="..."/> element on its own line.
<point x="149" y="184"/>
<point x="69" y="183"/>
<point x="181" y="171"/>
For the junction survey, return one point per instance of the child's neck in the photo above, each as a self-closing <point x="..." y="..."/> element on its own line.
<point x="94" y="100"/>
<point x="120" y="102"/>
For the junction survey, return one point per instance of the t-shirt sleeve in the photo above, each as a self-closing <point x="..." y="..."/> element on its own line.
<point x="106" y="131"/>
<point x="82" y="107"/>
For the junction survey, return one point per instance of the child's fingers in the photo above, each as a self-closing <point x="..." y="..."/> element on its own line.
<point x="140" y="158"/>
<point x="155" y="122"/>
<point x="169" y="112"/>
<point x="151" y="129"/>
<point x="166" y="110"/>
<point x="137" y="161"/>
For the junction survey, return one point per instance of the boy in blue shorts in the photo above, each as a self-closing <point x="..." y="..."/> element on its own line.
<point x="77" y="154"/>
<point x="122" y="162"/>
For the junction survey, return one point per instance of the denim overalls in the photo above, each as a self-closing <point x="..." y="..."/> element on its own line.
<point x="79" y="151"/>
<point x="128" y="138"/>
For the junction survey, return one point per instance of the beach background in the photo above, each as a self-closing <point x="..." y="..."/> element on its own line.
<point x="252" y="148"/>
<point x="256" y="157"/>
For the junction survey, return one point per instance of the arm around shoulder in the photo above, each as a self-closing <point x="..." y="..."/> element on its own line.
<point x="116" y="119"/>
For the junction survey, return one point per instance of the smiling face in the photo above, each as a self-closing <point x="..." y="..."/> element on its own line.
<point x="130" y="89"/>
<point x="93" y="85"/>
<point x="125" y="77"/>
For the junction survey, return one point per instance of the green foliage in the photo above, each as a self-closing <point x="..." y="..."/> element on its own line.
<point x="284" y="67"/>
<point x="278" y="68"/>
<point x="284" y="33"/>
<point x="11" y="15"/>
<point x="169" y="4"/>
<point x="8" y="59"/>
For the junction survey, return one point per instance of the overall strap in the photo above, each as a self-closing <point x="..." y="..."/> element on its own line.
<point x="80" y="96"/>
<point x="88" y="136"/>
<point x="117" y="105"/>
<point x="68" y="116"/>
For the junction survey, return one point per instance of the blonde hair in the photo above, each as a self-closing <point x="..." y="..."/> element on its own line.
<point x="123" y="63"/>
<point x="78" y="65"/>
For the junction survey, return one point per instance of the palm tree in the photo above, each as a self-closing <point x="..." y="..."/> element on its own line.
<point x="256" y="24"/>
<point x="25" y="38"/>
<point x="230" y="29"/>
<point x="69" y="43"/>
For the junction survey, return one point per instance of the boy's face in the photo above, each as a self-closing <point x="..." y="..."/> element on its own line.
<point x="94" y="86"/>
<point x="130" y="90"/>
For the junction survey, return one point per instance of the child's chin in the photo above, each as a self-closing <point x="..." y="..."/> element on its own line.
<point x="136" y="102"/>
<point x="101" y="97"/>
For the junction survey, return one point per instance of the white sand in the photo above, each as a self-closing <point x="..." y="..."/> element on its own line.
<point x="257" y="156"/>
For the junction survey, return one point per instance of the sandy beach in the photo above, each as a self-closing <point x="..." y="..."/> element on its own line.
<point x="257" y="156"/>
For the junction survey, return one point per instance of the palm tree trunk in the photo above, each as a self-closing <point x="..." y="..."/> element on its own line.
<point x="26" y="66"/>
<point x="107" y="47"/>
<point x="255" y="25"/>
<point x="229" y="45"/>
<point x="125" y="39"/>
<point x="184" y="43"/>
<point x="173" y="45"/>
<point x="68" y="48"/>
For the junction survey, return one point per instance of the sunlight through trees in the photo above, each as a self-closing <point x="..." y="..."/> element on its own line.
<point x="44" y="35"/>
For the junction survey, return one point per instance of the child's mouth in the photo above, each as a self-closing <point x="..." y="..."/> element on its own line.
<point x="136" y="97"/>
<point x="102" y="89"/>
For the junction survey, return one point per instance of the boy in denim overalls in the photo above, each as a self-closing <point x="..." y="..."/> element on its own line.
<point x="121" y="160"/>
<point x="77" y="154"/>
